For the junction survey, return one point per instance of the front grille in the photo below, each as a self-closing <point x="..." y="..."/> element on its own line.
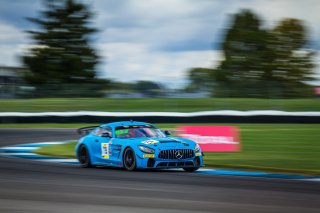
<point x="176" y="154"/>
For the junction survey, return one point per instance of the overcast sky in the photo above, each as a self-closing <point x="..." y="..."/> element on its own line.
<point x="155" y="40"/>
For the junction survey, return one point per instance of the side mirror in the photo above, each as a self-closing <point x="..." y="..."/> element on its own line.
<point x="167" y="132"/>
<point x="106" y="135"/>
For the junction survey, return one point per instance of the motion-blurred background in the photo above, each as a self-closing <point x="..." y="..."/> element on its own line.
<point x="170" y="56"/>
<point x="171" y="49"/>
<point x="253" y="64"/>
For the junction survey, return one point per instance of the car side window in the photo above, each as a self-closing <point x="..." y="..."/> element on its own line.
<point x="102" y="130"/>
<point x="107" y="130"/>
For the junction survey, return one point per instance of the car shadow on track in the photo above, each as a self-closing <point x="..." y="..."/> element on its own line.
<point x="176" y="170"/>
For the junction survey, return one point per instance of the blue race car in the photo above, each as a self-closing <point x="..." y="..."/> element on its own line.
<point x="136" y="145"/>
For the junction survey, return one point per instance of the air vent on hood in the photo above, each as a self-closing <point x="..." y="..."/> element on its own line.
<point x="173" y="141"/>
<point x="170" y="141"/>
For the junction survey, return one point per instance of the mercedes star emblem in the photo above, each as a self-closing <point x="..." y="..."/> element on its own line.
<point x="178" y="154"/>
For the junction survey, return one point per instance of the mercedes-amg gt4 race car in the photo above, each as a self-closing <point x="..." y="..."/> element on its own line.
<point x="136" y="145"/>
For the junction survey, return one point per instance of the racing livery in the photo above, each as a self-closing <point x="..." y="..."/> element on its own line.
<point x="136" y="145"/>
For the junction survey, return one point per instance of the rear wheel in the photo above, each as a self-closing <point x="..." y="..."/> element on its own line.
<point x="129" y="160"/>
<point x="83" y="157"/>
<point x="196" y="166"/>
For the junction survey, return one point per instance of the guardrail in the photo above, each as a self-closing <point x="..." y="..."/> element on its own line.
<point x="223" y="116"/>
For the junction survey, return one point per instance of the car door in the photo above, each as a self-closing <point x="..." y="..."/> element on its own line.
<point x="102" y="139"/>
<point x="115" y="147"/>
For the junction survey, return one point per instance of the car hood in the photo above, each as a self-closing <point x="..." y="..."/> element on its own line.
<point x="169" y="142"/>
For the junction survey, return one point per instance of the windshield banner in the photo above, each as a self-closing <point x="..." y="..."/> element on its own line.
<point x="213" y="138"/>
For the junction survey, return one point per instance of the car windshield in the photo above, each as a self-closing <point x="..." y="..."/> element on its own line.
<point x="138" y="132"/>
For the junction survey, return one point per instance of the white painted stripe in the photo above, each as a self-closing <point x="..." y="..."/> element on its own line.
<point x="59" y="160"/>
<point x="313" y="179"/>
<point x="202" y="169"/>
<point x="173" y="114"/>
<point x="47" y="143"/>
<point x="14" y="148"/>
<point x="18" y="154"/>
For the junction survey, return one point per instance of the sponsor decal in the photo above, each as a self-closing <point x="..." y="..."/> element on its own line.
<point x="105" y="150"/>
<point x="148" y="156"/>
<point x="148" y="142"/>
<point x="114" y="150"/>
<point x="213" y="138"/>
<point x="117" y="147"/>
<point x="122" y="131"/>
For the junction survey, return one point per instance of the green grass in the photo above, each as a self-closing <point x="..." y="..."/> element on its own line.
<point x="292" y="148"/>
<point x="70" y="125"/>
<point x="45" y="125"/>
<point x="156" y="104"/>
<point x="60" y="150"/>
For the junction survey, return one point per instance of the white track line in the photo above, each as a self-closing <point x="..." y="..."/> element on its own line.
<point x="313" y="179"/>
<point x="18" y="154"/>
<point x="50" y="143"/>
<point x="64" y="160"/>
<point x="173" y="114"/>
<point x="19" y="148"/>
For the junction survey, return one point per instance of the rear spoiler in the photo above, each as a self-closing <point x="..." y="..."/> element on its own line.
<point x="86" y="130"/>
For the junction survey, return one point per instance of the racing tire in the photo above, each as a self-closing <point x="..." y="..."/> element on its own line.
<point x="191" y="169"/>
<point x="84" y="157"/>
<point x="129" y="160"/>
<point x="196" y="166"/>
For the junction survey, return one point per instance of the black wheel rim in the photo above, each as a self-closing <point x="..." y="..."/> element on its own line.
<point x="129" y="159"/>
<point x="83" y="155"/>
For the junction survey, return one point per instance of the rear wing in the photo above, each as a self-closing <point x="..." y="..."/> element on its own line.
<point x="86" y="130"/>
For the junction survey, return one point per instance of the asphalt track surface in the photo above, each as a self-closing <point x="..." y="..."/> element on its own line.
<point x="33" y="186"/>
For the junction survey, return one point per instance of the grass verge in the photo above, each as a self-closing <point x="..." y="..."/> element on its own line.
<point x="156" y="104"/>
<point x="291" y="148"/>
<point x="65" y="150"/>
<point x="45" y="125"/>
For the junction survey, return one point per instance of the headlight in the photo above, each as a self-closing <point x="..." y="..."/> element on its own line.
<point x="146" y="149"/>
<point x="197" y="148"/>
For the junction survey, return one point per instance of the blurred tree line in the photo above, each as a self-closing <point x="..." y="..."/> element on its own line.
<point x="62" y="61"/>
<point x="260" y="63"/>
<point x="145" y="88"/>
<point x="257" y="62"/>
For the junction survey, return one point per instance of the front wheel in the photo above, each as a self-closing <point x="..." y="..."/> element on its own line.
<point x="129" y="160"/>
<point x="190" y="169"/>
<point x="83" y="157"/>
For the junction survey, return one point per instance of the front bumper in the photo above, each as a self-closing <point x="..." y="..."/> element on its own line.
<point x="147" y="161"/>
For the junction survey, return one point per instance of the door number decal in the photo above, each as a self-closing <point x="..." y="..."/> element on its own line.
<point x="105" y="150"/>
